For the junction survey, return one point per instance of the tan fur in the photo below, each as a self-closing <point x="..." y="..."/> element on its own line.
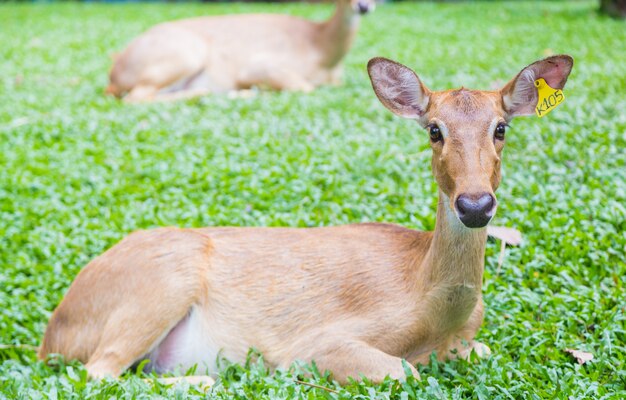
<point x="192" y="57"/>
<point x="356" y="299"/>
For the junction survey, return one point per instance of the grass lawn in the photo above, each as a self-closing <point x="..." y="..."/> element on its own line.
<point x="79" y="171"/>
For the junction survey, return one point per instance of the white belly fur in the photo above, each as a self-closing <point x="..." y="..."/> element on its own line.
<point x="186" y="345"/>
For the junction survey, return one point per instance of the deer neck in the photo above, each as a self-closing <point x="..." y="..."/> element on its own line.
<point x="457" y="254"/>
<point x="336" y="34"/>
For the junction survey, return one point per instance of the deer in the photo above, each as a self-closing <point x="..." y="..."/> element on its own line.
<point x="356" y="299"/>
<point x="217" y="54"/>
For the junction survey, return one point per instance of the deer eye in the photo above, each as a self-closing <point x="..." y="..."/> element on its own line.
<point x="435" y="133"/>
<point x="500" y="131"/>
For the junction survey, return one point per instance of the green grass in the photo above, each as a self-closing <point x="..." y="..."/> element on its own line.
<point x="79" y="171"/>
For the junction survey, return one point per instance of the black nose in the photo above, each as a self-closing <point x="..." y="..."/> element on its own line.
<point x="363" y="7"/>
<point x="475" y="211"/>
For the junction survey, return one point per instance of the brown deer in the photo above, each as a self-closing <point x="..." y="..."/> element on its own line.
<point x="196" y="56"/>
<point x="357" y="299"/>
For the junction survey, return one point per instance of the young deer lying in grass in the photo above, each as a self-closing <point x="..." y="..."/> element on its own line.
<point x="357" y="299"/>
<point x="192" y="57"/>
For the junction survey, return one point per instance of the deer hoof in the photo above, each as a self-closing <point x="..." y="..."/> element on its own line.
<point x="481" y="350"/>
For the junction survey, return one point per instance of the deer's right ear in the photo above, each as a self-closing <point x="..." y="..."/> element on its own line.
<point x="398" y="88"/>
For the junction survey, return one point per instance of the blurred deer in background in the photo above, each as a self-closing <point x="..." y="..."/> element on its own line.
<point x="357" y="299"/>
<point x="196" y="56"/>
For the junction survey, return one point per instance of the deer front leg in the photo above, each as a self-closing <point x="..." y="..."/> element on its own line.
<point x="462" y="344"/>
<point x="276" y="79"/>
<point x="356" y="359"/>
<point x="463" y="349"/>
<point x="288" y="80"/>
<point x="141" y="94"/>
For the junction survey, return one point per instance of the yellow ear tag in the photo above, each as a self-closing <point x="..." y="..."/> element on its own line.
<point x="549" y="98"/>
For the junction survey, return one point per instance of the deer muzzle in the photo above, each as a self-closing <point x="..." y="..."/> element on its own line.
<point x="475" y="210"/>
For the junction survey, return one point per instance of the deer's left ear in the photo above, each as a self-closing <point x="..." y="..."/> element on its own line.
<point x="520" y="94"/>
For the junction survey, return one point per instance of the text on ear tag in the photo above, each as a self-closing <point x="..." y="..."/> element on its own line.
<point x="549" y="98"/>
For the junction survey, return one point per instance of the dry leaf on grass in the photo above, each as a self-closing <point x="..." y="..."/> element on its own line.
<point x="509" y="235"/>
<point x="580" y="356"/>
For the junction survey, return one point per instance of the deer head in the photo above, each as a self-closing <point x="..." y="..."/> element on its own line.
<point x="466" y="127"/>
<point x="361" y="6"/>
